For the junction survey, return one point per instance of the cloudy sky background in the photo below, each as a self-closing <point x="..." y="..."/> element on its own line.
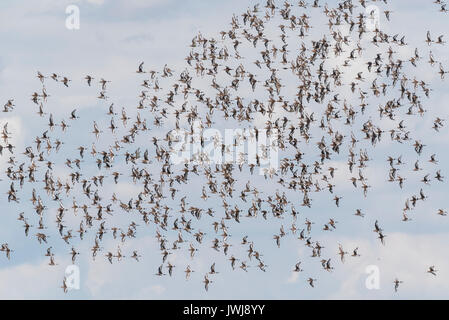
<point x="115" y="36"/>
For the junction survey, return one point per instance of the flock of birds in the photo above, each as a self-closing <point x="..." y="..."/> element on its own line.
<point x="312" y="114"/>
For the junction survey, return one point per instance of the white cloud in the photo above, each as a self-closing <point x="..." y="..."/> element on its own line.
<point x="31" y="281"/>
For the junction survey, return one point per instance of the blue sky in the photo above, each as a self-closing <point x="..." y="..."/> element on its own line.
<point x="114" y="37"/>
